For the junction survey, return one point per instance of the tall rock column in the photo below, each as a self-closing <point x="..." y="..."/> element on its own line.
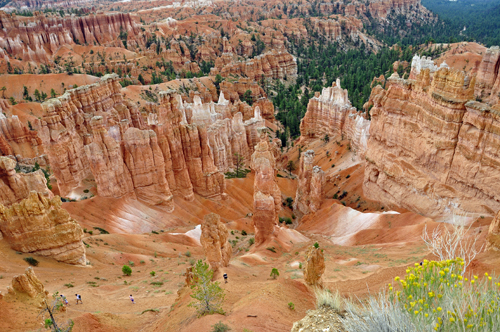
<point x="310" y="189"/>
<point x="315" y="266"/>
<point x="214" y="239"/>
<point x="267" y="195"/>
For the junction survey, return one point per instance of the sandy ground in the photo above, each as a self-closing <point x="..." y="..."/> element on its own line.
<point x="363" y="252"/>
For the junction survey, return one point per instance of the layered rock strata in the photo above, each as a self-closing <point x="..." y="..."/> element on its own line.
<point x="39" y="37"/>
<point x="39" y="225"/>
<point x="15" y="187"/>
<point x="432" y="148"/>
<point x="271" y="65"/>
<point x="331" y="114"/>
<point x="493" y="238"/>
<point x="28" y="283"/>
<point x="214" y="239"/>
<point x="314" y="266"/>
<point x="310" y="188"/>
<point x="267" y="195"/>
<point x="169" y="148"/>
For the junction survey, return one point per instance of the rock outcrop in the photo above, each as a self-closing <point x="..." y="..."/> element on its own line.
<point x="488" y="79"/>
<point x="28" y="283"/>
<point x="15" y="187"/>
<point x="39" y="225"/>
<point x="314" y="266"/>
<point x="214" y="239"/>
<point x="493" y="238"/>
<point x="267" y="195"/>
<point x="310" y="188"/>
<point x="331" y="114"/>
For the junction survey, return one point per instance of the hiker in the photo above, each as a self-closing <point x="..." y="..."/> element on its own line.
<point x="132" y="299"/>
<point x="225" y="277"/>
<point x="65" y="300"/>
<point x="78" y="298"/>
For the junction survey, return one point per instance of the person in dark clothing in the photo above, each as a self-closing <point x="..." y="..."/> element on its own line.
<point x="225" y="277"/>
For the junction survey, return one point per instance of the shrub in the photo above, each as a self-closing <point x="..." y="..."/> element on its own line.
<point x="69" y="285"/>
<point x="274" y="273"/>
<point x="142" y="261"/>
<point x="127" y="270"/>
<point x="300" y="266"/>
<point x="431" y="296"/>
<point x="291" y="306"/>
<point x="155" y="232"/>
<point x="273" y="249"/>
<point x="157" y="283"/>
<point x="325" y="298"/>
<point x="220" y="327"/>
<point x="188" y="254"/>
<point x="131" y="263"/>
<point x="243" y="232"/>
<point x="31" y="261"/>
<point x="152" y="273"/>
<point x="288" y="221"/>
<point x="101" y="230"/>
<point x="251" y="241"/>
<point x="316" y="245"/>
<point x="86" y="191"/>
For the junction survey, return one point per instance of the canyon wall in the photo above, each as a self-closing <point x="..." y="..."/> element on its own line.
<point x="172" y="147"/>
<point x="37" y="38"/>
<point x="331" y="114"/>
<point x="432" y="148"/>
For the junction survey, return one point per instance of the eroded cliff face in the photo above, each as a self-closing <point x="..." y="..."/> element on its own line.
<point x="39" y="225"/>
<point x="331" y="114"/>
<point x="38" y="38"/>
<point x="310" y="189"/>
<point x="214" y="239"/>
<point x="271" y="65"/>
<point x="267" y="195"/>
<point x="169" y="148"/>
<point x="432" y="148"/>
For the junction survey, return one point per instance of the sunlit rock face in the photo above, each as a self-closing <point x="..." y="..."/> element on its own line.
<point x="314" y="266"/>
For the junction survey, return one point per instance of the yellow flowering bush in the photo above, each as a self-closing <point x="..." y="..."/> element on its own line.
<point x="437" y="297"/>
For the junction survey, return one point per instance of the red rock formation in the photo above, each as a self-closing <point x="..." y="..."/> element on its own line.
<point x="310" y="189"/>
<point x="214" y="239"/>
<point x="267" y="195"/>
<point x="432" y="148"/>
<point x="28" y="283"/>
<point x="314" y="266"/>
<point x="331" y="114"/>
<point x="15" y="187"/>
<point x="272" y="65"/>
<point x="146" y="164"/>
<point x="493" y="238"/>
<point x="38" y="38"/>
<point x="488" y="80"/>
<point x="17" y="140"/>
<point x="39" y="225"/>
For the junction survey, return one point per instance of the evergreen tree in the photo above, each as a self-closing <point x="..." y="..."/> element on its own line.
<point x="208" y="294"/>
